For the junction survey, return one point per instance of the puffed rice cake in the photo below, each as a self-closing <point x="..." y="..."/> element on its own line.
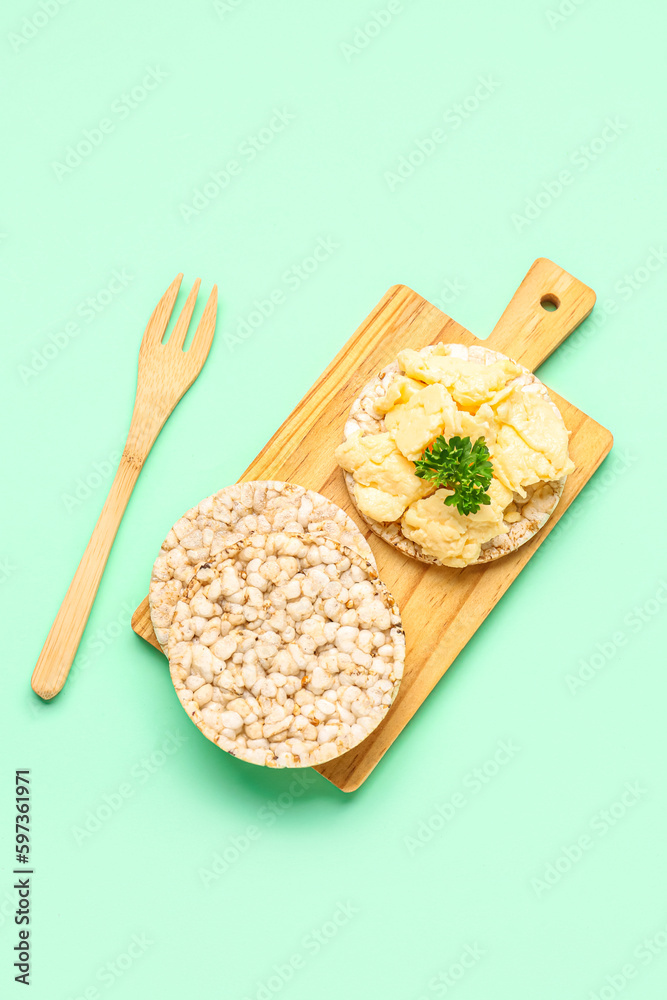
<point x="286" y="649"/>
<point x="226" y="517"/>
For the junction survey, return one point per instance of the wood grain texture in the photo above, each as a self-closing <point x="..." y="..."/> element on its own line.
<point x="441" y="607"/>
<point x="532" y="332"/>
<point x="166" y="372"/>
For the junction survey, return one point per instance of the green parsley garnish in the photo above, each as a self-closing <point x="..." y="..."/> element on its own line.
<point x="460" y="466"/>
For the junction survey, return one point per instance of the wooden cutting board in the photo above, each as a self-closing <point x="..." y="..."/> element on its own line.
<point x="441" y="608"/>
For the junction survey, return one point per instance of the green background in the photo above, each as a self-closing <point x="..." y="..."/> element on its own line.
<point x="377" y="893"/>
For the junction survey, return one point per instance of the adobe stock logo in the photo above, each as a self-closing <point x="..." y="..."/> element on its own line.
<point x="645" y="952"/>
<point x="565" y="9"/>
<point x="247" y="151"/>
<point x="237" y="846"/>
<point x="635" y="277"/>
<point x="453" y="118"/>
<point x="140" y="773"/>
<point x="35" y="22"/>
<point x="583" y="157"/>
<point x="374" y="26"/>
<point x="120" y="108"/>
<point x="311" y="943"/>
<point x="472" y="783"/>
<point x="223" y="7"/>
<point x="113" y="970"/>
<point x="572" y="853"/>
<point x="87" y="310"/>
<point x="450" y="290"/>
<point x="447" y="979"/>
<point x="293" y="278"/>
<point x="7" y="569"/>
<point x="635" y="621"/>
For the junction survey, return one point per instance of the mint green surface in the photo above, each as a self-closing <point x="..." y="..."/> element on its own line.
<point x="164" y="868"/>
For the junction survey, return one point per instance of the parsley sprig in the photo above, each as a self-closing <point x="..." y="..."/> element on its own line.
<point x="460" y="466"/>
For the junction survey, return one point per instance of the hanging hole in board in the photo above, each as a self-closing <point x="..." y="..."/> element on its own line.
<point x="550" y="302"/>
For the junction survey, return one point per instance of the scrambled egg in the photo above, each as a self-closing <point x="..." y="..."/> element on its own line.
<point x="384" y="480"/>
<point x="440" y="394"/>
<point x="481" y="424"/>
<point x="469" y="382"/>
<point x="531" y="444"/>
<point x="416" y="424"/>
<point x="455" y="539"/>
<point x="430" y="412"/>
<point x="400" y="390"/>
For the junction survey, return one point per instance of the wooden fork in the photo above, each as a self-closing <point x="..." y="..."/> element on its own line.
<point x="166" y="372"/>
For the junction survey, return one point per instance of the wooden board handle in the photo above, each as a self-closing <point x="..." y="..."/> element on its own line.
<point x="546" y="307"/>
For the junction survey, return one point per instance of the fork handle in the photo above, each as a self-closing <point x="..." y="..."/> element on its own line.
<point x="63" y="640"/>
